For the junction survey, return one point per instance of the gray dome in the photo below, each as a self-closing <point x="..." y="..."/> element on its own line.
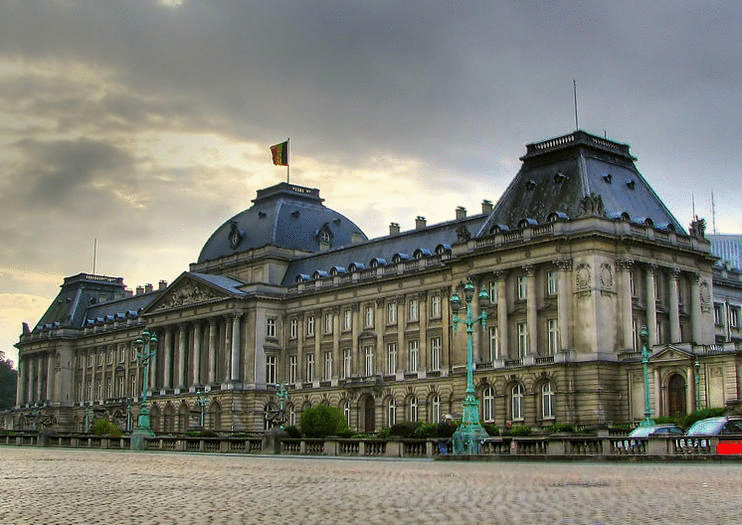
<point x="283" y="215"/>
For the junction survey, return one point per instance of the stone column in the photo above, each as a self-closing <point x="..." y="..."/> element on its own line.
<point x="181" y="361"/>
<point x="337" y="355"/>
<point x="675" y="336"/>
<point x="50" y="374"/>
<point x="696" y="314"/>
<point x="477" y="328"/>
<point x="531" y="316"/>
<point x="39" y="379"/>
<point x="423" y="314"/>
<point x="626" y="303"/>
<point x="236" y="376"/>
<point x="657" y="393"/>
<point x="502" y="313"/>
<point x="167" y="367"/>
<point x="196" y="354"/>
<point x="226" y="351"/>
<point x="403" y="358"/>
<point x="565" y="267"/>
<point x="446" y="325"/>
<point x="300" y="359"/>
<point x="20" y="388"/>
<point x="153" y="383"/>
<point x="379" y="329"/>
<point x="210" y="374"/>
<point x="652" y="305"/>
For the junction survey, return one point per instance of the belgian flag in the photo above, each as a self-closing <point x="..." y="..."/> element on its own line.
<point x="280" y="153"/>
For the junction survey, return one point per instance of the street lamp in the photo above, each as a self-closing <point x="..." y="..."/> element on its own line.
<point x="470" y="433"/>
<point x="644" y="335"/>
<point x="697" y="367"/>
<point x="146" y="346"/>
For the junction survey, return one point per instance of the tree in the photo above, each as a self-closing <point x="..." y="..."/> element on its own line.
<point x="322" y="421"/>
<point x="8" y="379"/>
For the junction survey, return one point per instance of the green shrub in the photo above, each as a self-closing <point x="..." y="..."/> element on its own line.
<point x="103" y="427"/>
<point x="323" y="420"/>
<point x="447" y="428"/>
<point x="518" y="430"/>
<point x="383" y="433"/>
<point x="561" y="427"/>
<point x="202" y="433"/>
<point x="404" y="430"/>
<point x="664" y="420"/>
<point x="426" y="430"/>
<point x="701" y="414"/>
<point x="293" y="431"/>
<point x="491" y="429"/>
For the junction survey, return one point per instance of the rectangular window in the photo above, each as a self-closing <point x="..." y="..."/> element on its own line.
<point x="414" y="347"/>
<point x="522" y="288"/>
<point x="552" y="283"/>
<point x="310" y="367"/>
<point x="120" y="386"/>
<point x="347" y="362"/>
<point x="718" y="314"/>
<point x="660" y="335"/>
<point x="547" y="401"/>
<point x="414" y="409"/>
<point x="329" y="320"/>
<point x="270" y="327"/>
<point x="552" y="329"/>
<point x="734" y="316"/>
<point x="632" y="283"/>
<point x="435" y="353"/>
<point x="368" y="350"/>
<point x="328" y="366"/>
<point x="310" y="325"/>
<point x="413" y="310"/>
<point x="635" y="335"/>
<point x="294" y="328"/>
<point x="368" y="317"/>
<point x="493" y="291"/>
<point x="347" y="320"/>
<point x="292" y="369"/>
<point x="391" y="313"/>
<point x="134" y="386"/>
<point x="494" y="343"/>
<point x="270" y="369"/>
<point x="522" y="340"/>
<point x="435" y="306"/>
<point x="391" y="358"/>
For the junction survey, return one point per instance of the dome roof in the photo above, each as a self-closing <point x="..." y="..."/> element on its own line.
<point x="287" y="216"/>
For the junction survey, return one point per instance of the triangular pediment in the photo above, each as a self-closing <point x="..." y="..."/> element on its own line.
<point x="671" y="353"/>
<point x="191" y="289"/>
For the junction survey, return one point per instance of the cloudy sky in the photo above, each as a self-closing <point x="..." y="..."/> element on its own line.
<point x="145" y="124"/>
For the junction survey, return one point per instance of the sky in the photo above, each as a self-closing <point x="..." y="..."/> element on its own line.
<point x="143" y="125"/>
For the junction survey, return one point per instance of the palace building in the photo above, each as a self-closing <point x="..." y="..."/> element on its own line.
<point x="576" y="256"/>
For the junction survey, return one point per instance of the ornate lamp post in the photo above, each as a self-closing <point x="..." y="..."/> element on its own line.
<point x="470" y="433"/>
<point x="644" y="335"/>
<point x="697" y="368"/>
<point x="86" y="417"/>
<point x="146" y="345"/>
<point x="201" y="400"/>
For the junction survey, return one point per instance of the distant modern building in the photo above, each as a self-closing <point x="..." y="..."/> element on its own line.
<point x="576" y="255"/>
<point x="728" y="248"/>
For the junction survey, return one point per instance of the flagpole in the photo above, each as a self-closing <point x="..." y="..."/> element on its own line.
<point x="288" y="162"/>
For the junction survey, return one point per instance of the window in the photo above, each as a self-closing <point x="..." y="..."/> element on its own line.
<point x="346" y="412"/>
<point x="347" y="362"/>
<point x="493" y="291"/>
<point x="413" y="409"/>
<point x="632" y="283"/>
<point x="494" y="344"/>
<point x="522" y="288"/>
<point x="435" y="409"/>
<point x="368" y="350"/>
<point x="552" y="283"/>
<point x="414" y="347"/>
<point x="413" y="310"/>
<point x="328" y="366"/>
<point x="391" y="411"/>
<point x="292" y="369"/>
<point x="547" y="401"/>
<point x="292" y="415"/>
<point x="718" y="314"/>
<point x="734" y="316"/>
<point x="310" y="325"/>
<point x="109" y="389"/>
<point x="329" y="320"/>
<point x="391" y="358"/>
<point x="435" y="306"/>
<point x="310" y="367"/>
<point x="435" y="353"/>
<point x="488" y="404"/>
<point x="270" y="327"/>
<point x="270" y="369"/>
<point x="552" y="329"/>
<point x="660" y="333"/>
<point x="369" y="316"/>
<point x="522" y="340"/>
<point x="133" y="392"/>
<point x="635" y="334"/>
<point x="516" y="399"/>
<point x="347" y="320"/>
<point x="120" y="387"/>
<point x="391" y="313"/>
<point x="294" y="328"/>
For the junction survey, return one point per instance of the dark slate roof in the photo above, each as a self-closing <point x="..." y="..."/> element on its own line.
<point x="284" y="215"/>
<point x="227" y="284"/>
<point x="559" y="173"/>
<point x="127" y="307"/>
<point x="385" y="248"/>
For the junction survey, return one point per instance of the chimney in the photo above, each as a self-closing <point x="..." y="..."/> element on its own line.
<point x="420" y="223"/>
<point x="393" y="228"/>
<point x="460" y="213"/>
<point x="356" y="237"/>
<point x="148" y="288"/>
<point x="487" y="207"/>
<point x="162" y="285"/>
<point x="140" y="290"/>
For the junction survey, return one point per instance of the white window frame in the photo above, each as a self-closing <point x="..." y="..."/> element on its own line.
<point x="368" y="317"/>
<point x="368" y="352"/>
<point x="328" y="366"/>
<point x="522" y="340"/>
<point x="517" y="393"/>
<point x="391" y="358"/>
<point x="435" y="353"/>
<point x="293" y="328"/>
<point x="734" y="316"/>
<point x="435" y="306"/>
<point x="552" y="332"/>
<point x="346" y="412"/>
<point x="347" y="363"/>
<point x="270" y="369"/>
<point x="270" y="327"/>
<point x="391" y="313"/>
<point x="494" y="343"/>
<point x="718" y="314"/>
<point x="493" y="286"/>
<point x="522" y="288"/>
<point x="310" y="368"/>
<point x="310" y="326"/>
<point x="548" y="398"/>
<point x="413" y="355"/>
<point x="552" y="283"/>
<point x="488" y="405"/>
<point x="391" y="412"/>
<point x="413" y="310"/>
<point x="435" y="409"/>
<point x="292" y="368"/>
<point x="413" y="410"/>
<point x="347" y="320"/>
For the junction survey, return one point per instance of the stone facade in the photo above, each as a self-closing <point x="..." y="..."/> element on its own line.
<point x="576" y="256"/>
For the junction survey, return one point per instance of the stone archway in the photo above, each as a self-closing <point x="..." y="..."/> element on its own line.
<point x="676" y="396"/>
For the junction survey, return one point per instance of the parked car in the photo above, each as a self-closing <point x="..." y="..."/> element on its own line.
<point x="663" y="428"/>
<point x="714" y="426"/>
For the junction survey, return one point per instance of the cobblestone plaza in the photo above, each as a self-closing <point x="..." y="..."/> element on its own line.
<point x="53" y="486"/>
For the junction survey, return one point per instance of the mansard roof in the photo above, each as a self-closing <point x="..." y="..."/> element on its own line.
<point x="385" y="250"/>
<point x="284" y="215"/>
<point x="574" y="175"/>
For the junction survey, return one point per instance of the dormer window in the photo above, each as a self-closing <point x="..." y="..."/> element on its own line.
<point x="608" y="177"/>
<point x="630" y="184"/>
<point x="531" y="185"/>
<point x="559" y="177"/>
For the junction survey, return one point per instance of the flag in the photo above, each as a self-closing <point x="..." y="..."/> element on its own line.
<point x="280" y="153"/>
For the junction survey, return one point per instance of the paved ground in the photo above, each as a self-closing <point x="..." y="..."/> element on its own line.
<point x="48" y="486"/>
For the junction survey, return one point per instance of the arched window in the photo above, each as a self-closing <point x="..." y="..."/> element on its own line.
<point x="391" y="411"/>
<point x="516" y="402"/>
<point x="413" y="409"/>
<point x="435" y="409"/>
<point x="346" y="412"/>
<point x="547" y="401"/>
<point x="488" y="405"/>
